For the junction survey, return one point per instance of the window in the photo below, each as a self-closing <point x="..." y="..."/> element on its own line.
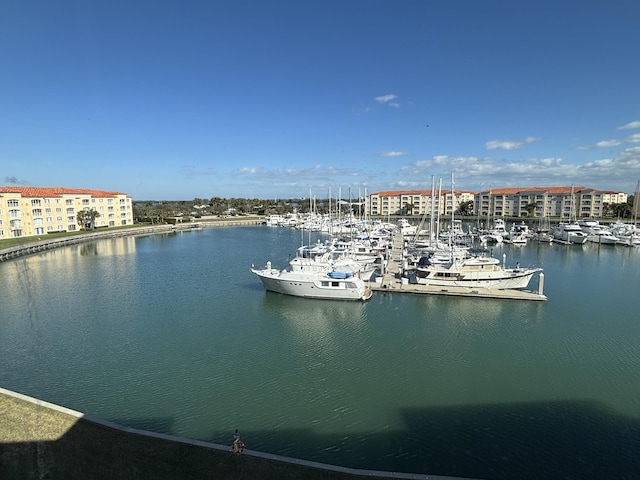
<point x="47" y="210"/>
<point x="15" y="223"/>
<point x="14" y="213"/>
<point x="49" y="219"/>
<point x="72" y="228"/>
<point x="13" y="203"/>
<point x="36" y="202"/>
<point x="16" y="233"/>
<point x="39" y="231"/>
<point x="71" y="220"/>
<point x="85" y="201"/>
<point x="70" y="211"/>
<point x="69" y="202"/>
<point x="38" y="221"/>
<point x="36" y="212"/>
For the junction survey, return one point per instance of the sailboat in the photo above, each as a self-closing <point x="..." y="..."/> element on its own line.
<point x="569" y="232"/>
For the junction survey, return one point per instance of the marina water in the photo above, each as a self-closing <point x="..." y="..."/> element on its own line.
<point x="172" y="333"/>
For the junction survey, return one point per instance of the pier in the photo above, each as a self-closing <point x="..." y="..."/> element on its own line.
<point x="392" y="281"/>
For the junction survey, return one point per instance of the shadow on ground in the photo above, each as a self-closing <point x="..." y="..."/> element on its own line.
<point x="479" y="441"/>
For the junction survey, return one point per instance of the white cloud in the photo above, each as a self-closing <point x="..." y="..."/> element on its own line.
<point x="630" y="125"/>
<point x="393" y="154"/>
<point x="607" y="143"/>
<point x="508" y="144"/>
<point x="386" y="98"/>
<point x="635" y="138"/>
<point x="249" y="170"/>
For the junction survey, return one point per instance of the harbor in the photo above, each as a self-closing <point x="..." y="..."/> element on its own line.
<point x="174" y="334"/>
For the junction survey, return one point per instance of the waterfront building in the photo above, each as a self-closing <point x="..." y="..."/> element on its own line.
<point x="415" y="202"/>
<point x="558" y="202"/>
<point x="29" y="211"/>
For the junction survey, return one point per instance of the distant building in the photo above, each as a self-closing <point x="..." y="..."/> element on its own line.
<point x="28" y="211"/>
<point x="415" y="202"/>
<point x="562" y="202"/>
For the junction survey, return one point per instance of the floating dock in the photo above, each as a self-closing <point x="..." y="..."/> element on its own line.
<point x="392" y="281"/>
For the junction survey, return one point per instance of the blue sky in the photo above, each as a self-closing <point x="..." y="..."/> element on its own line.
<point x="176" y="100"/>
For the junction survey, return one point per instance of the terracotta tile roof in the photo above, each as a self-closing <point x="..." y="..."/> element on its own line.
<point x="41" y="192"/>
<point x="397" y="193"/>
<point x="499" y="191"/>
<point x="550" y="190"/>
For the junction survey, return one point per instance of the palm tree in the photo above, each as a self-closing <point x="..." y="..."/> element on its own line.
<point x="465" y="207"/>
<point x="87" y="218"/>
<point x="409" y="208"/>
<point x="531" y="209"/>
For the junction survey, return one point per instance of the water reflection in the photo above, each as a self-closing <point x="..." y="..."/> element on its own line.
<point x="315" y="321"/>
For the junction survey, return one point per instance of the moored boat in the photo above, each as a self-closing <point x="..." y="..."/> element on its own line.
<point x="569" y="232"/>
<point x="476" y="271"/>
<point x="314" y="284"/>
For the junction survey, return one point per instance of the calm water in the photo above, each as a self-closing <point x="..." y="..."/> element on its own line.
<point x="172" y="333"/>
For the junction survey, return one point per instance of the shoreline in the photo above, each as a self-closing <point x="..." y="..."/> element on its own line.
<point x="43" y="245"/>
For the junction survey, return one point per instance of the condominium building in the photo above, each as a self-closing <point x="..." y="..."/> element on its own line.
<point x="28" y="211"/>
<point x="562" y="202"/>
<point x="415" y="202"/>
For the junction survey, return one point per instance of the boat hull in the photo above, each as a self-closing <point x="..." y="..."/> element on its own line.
<point x="319" y="286"/>
<point x="501" y="280"/>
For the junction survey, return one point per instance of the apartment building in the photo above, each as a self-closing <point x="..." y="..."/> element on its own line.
<point x="28" y="211"/>
<point x="557" y="202"/>
<point x="560" y="202"/>
<point x="415" y="202"/>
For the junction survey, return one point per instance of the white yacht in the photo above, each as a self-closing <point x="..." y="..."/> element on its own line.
<point x="518" y="234"/>
<point x="476" y="272"/>
<point x="306" y="283"/>
<point x="496" y="234"/>
<point x="569" y="232"/>
<point x="597" y="233"/>
<point x="627" y="233"/>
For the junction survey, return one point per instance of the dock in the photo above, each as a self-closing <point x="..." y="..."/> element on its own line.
<point x="392" y="281"/>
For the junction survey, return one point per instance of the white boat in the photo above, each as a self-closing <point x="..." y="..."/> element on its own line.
<point x="569" y="232"/>
<point x="518" y="234"/>
<point x="327" y="258"/>
<point x="597" y="233"/>
<point x="406" y="228"/>
<point x="496" y="234"/>
<point x="314" y="284"/>
<point x="627" y="233"/>
<point x="476" y="272"/>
